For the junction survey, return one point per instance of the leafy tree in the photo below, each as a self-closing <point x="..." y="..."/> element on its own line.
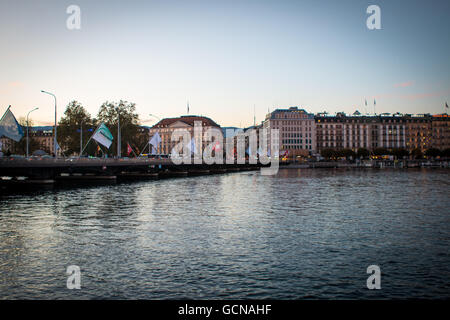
<point x="400" y="153"/>
<point x="328" y="153"/>
<point x="347" y="153"/>
<point x="380" y="151"/>
<point x="130" y="130"/>
<point x="433" y="152"/>
<point x="69" y="127"/>
<point x="417" y="153"/>
<point x="363" y="153"/>
<point x="446" y="153"/>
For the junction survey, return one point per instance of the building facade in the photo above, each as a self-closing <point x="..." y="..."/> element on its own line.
<point x="297" y="131"/>
<point x="167" y="126"/>
<point x="440" y="128"/>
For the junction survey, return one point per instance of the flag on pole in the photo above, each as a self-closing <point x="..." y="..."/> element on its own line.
<point x="103" y="136"/>
<point x="129" y="150"/>
<point x="366" y="102"/>
<point x="446" y="105"/>
<point x="374" y="102"/>
<point x="192" y="146"/>
<point x="9" y="127"/>
<point x="188" y="107"/>
<point x="155" y="140"/>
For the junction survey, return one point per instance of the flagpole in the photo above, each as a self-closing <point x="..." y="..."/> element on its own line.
<point x="88" y="141"/>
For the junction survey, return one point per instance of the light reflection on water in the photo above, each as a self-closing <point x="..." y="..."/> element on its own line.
<point x="300" y="234"/>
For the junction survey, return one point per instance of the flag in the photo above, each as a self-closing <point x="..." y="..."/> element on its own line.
<point x="57" y="146"/>
<point x="155" y="140"/>
<point x="446" y="105"/>
<point x="216" y="146"/>
<point x="260" y="151"/>
<point x="188" y="107"/>
<point x="192" y="146"/>
<point x="129" y="150"/>
<point x="103" y="136"/>
<point x="366" y="102"/>
<point x="9" y="127"/>
<point x="374" y="102"/>
<point x="153" y="150"/>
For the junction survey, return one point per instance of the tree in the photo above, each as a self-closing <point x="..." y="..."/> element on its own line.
<point x="417" y="153"/>
<point x="433" y="152"/>
<point x="400" y="153"/>
<point x="347" y="153"/>
<point x="327" y="153"/>
<point x="69" y="134"/>
<point x="129" y="124"/>
<point x="446" y="153"/>
<point x="363" y="153"/>
<point x="380" y="151"/>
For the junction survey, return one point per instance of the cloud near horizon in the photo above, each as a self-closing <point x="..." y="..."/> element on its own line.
<point x="404" y="84"/>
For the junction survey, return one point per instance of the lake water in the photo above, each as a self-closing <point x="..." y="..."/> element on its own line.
<point x="308" y="233"/>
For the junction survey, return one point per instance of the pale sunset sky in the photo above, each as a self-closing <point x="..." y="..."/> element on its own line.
<point x="225" y="57"/>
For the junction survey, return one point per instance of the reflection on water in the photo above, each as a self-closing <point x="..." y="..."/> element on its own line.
<point x="300" y="234"/>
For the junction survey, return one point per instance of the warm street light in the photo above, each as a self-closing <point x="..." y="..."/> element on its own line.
<point x="28" y="127"/>
<point x="54" y="140"/>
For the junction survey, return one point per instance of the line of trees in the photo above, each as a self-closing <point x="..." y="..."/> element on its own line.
<point x="77" y="124"/>
<point x="398" y="153"/>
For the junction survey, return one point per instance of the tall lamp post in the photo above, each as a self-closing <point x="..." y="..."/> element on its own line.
<point x="54" y="139"/>
<point x="28" y="127"/>
<point x="118" y="133"/>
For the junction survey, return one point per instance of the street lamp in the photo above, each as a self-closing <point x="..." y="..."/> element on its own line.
<point x="118" y="133"/>
<point x="54" y="139"/>
<point x="28" y="127"/>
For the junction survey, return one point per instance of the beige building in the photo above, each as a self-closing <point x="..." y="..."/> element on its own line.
<point x="297" y="131"/>
<point x="440" y="127"/>
<point x="166" y="127"/>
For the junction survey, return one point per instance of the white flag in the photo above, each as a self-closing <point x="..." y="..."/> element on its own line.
<point x="192" y="146"/>
<point x="155" y="140"/>
<point x="103" y="136"/>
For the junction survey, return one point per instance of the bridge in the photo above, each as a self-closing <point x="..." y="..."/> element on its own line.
<point x="51" y="170"/>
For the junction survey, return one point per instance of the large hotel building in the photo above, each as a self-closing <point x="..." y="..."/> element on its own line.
<point x="297" y="130"/>
<point x="302" y="133"/>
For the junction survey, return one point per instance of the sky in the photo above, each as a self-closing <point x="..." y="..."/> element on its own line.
<point x="229" y="59"/>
